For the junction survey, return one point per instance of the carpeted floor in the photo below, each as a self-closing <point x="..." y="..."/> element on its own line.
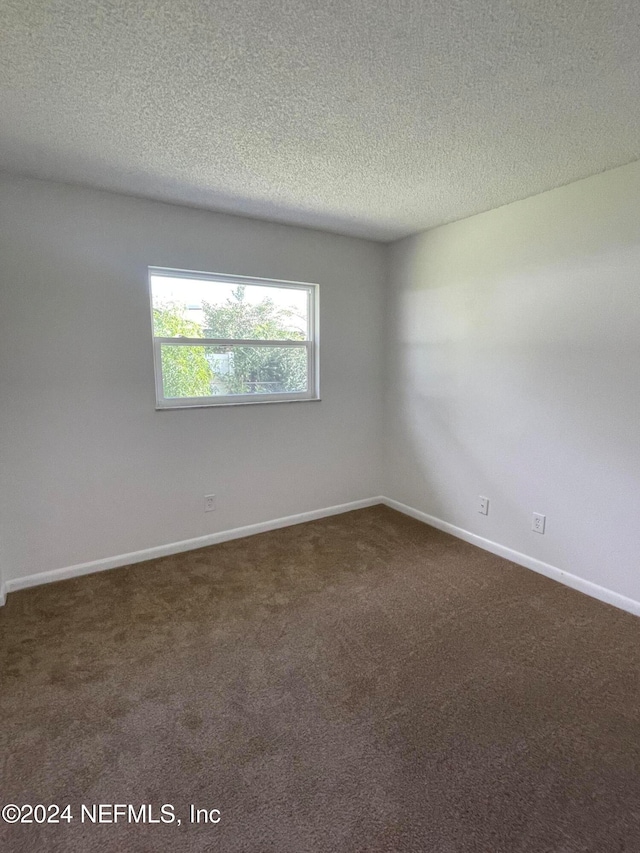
<point x="359" y="683"/>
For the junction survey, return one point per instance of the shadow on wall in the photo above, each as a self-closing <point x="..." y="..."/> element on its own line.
<point x="524" y="387"/>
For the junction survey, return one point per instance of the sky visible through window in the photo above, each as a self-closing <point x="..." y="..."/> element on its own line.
<point x="191" y="293"/>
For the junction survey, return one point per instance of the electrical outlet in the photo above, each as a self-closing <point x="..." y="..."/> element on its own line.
<point x="538" y="522"/>
<point x="483" y="505"/>
<point x="209" y="503"/>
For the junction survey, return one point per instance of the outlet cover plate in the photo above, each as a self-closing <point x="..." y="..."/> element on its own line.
<point x="538" y="523"/>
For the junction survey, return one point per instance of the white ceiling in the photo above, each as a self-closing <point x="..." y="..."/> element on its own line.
<point x="369" y="117"/>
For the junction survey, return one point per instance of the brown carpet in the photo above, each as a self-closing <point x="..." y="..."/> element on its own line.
<point x="359" y="683"/>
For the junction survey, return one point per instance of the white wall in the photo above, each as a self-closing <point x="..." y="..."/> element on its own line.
<point x="89" y="468"/>
<point x="513" y="371"/>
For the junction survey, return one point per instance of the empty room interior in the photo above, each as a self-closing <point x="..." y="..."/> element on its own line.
<point x="320" y="426"/>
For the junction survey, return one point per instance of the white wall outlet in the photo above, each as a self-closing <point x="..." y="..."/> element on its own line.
<point x="209" y="503"/>
<point x="537" y="524"/>
<point x="483" y="505"/>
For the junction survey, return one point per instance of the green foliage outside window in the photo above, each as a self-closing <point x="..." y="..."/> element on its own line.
<point x="191" y="371"/>
<point x="257" y="370"/>
<point x="185" y="370"/>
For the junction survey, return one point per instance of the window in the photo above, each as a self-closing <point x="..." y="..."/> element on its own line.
<point x="225" y="339"/>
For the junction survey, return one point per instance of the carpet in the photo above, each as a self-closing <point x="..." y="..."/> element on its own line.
<point x="358" y="683"/>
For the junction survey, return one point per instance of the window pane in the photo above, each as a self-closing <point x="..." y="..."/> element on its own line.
<point x="195" y="308"/>
<point x="199" y="371"/>
<point x="186" y="372"/>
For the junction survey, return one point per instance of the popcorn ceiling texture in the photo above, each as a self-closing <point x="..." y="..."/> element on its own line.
<point x="364" y="117"/>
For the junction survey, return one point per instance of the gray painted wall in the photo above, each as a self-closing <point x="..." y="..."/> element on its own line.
<point x="513" y="371"/>
<point x="506" y="348"/>
<point x="89" y="468"/>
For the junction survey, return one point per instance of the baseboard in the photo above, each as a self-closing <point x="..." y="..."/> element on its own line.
<point x="556" y="574"/>
<point x="588" y="587"/>
<point x="53" y="575"/>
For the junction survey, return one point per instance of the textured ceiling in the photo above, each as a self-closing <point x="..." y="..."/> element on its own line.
<point x="361" y="116"/>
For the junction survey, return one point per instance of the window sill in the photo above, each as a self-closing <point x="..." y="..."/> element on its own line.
<point x="238" y="403"/>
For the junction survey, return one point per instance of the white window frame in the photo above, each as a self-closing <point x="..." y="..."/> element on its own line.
<point x="311" y="344"/>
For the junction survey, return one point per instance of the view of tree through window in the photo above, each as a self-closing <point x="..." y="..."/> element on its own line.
<point x="185" y="370"/>
<point x="256" y="369"/>
<point x="235" y="314"/>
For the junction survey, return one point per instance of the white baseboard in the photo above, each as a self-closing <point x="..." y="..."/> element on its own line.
<point x="566" y="578"/>
<point x="15" y="584"/>
<point x="575" y="582"/>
